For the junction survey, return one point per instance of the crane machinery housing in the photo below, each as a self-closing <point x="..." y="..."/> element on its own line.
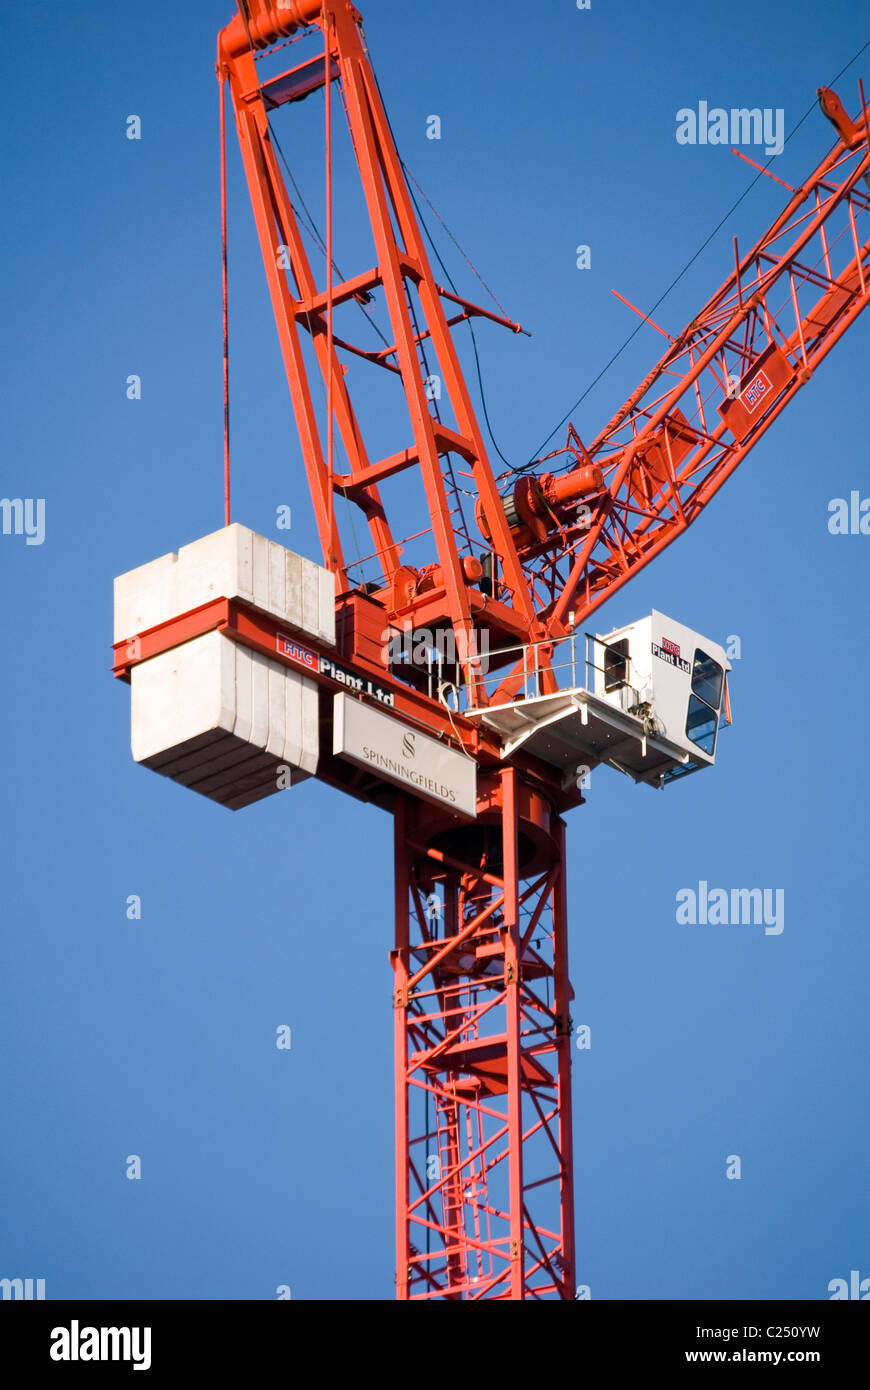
<point x="448" y="676"/>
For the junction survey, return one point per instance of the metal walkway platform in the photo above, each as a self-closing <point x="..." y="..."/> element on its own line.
<point x="574" y="728"/>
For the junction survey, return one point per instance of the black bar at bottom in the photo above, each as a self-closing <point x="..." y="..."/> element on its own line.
<point x="156" y="1338"/>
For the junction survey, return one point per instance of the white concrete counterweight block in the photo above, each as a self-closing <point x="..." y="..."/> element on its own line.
<point x="211" y="713"/>
<point x="234" y="563"/>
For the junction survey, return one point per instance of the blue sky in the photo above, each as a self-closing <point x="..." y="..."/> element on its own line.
<point x="156" y="1037"/>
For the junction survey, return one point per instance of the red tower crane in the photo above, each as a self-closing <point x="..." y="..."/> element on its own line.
<point x="513" y="566"/>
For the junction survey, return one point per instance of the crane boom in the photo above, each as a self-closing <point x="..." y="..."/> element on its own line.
<point x="718" y="388"/>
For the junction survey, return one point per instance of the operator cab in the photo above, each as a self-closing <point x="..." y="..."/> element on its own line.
<point x="673" y="679"/>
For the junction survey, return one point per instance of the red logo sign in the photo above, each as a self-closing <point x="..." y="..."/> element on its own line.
<point x="755" y="392"/>
<point x="291" y="649"/>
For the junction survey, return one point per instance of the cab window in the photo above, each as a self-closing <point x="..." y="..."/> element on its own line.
<point x="616" y="665"/>
<point x="707" y="677"/>
<point x="702" y="721"/>
<point x="701" y="725"/>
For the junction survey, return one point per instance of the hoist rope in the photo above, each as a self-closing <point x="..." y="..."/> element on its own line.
<point x="311" y="227"/>
<point x="421" y="219"/>
<point x="462" y="253"/>
<point x="225" y="296"/>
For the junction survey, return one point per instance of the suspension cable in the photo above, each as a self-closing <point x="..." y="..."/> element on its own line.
<point x="691" y="261"/>
<point x="224" y="296"/>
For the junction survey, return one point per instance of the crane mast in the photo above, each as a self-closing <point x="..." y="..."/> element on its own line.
<point x="481" y="997"/>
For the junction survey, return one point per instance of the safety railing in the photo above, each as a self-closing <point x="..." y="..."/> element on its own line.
<point x="572" y="670"/>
